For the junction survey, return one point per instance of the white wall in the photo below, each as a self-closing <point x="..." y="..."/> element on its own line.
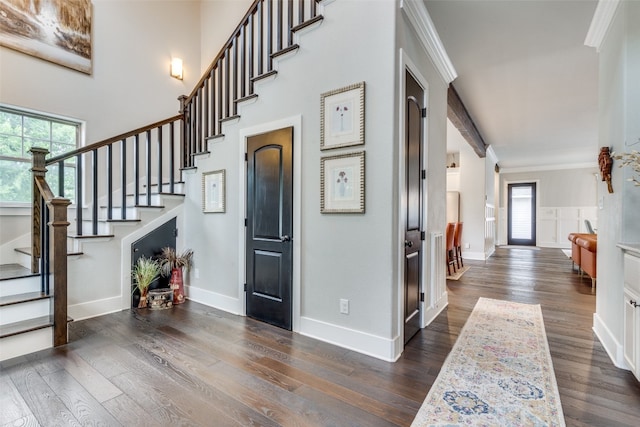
<point x="412" y="55"/>
<point x="218" y="19"/>
<point x="130" y="87"/>
<point x="133" y="42"/>
<point x="619" y="127"/>
<point x="342" y="256"/>
<point x="565" y="198"/>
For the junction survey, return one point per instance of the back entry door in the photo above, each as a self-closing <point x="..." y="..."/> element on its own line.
<point x="269" y="249"/>
<point x="521" y="212"/>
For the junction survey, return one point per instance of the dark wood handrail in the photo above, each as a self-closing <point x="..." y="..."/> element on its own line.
<point x="114" y="139"/>
<point x="222" y="51"/>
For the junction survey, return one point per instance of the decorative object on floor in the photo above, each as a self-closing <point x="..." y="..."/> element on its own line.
<point x="498" y="373"/>
<point x="145" y="271"/>
<point x="631" y="159"/>
<point x="173" y="263"/>
<point x="159" y="299"/>
<point x="605" y="161"/>
<point x="458" y="273"/>
<point x="342" y="117"/>
<point x="56" y="31"/>
<point x="342" y="183"/>
<point x="213" y="191"/>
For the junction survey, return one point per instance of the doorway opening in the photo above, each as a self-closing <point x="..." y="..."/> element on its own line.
<point x="521" y="214"/>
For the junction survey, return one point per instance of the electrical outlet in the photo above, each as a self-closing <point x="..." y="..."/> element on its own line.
<point x="344" y="306"/>
<point x="467" y="245"/>
<point x="196" y="273"/>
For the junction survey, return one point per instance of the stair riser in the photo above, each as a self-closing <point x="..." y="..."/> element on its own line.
<point x="24" y="311"/>
<point x="26" y="343"/>
<point x="19" y="286"/>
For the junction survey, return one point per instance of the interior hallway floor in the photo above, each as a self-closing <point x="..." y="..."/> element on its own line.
<point x="195" y="365"/>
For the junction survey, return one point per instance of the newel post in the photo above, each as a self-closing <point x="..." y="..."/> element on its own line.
<point x="37" y="169"/>
<point x="60" y="225"/>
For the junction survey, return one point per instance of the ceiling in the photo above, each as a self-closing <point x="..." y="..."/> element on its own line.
<point x="526" y="77"/>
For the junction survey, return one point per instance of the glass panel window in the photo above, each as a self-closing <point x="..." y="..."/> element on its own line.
<point x="19" y="132"/>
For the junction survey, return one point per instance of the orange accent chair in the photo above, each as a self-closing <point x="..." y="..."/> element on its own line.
<point x="588" y="244"/>
<point x="457" y="245"/>
<point x="450" y="248"/>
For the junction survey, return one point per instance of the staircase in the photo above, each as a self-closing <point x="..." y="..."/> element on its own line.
<point x="125" y="183"/>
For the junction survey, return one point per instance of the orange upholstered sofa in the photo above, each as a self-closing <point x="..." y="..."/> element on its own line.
<point x="584" y="249"/>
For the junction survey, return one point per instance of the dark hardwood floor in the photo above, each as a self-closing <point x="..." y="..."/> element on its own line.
<point x="194" y="365"/>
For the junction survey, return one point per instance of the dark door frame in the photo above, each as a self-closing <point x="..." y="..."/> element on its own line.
<point x="534" y="209"/>
<point x="407" y="66"/>
<point x="296" y="123"/>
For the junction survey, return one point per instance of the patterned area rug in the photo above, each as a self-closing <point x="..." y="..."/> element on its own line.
<point x="499" y="372"/>
<point x="458" y="274"/>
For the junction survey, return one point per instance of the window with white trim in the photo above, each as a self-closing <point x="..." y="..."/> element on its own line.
<point x="19" y="131"/>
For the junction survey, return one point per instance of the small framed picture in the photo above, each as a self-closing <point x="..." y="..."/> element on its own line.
<point x="342" y="117"/>
<point x="342" y="183"/>
<point x="213" y="191"/>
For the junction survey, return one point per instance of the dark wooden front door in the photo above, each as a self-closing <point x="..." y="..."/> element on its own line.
<point x="269" y="248"/>
<point x="413" y="207"/>
<point x="521" y="214"/>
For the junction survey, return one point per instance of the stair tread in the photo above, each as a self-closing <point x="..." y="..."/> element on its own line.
<point x="24" y="326"/>
<point x="20" y="298"/>
<point x="27" y="251"/>
<point x="28" y="325"/>
<point x="90" y="236"/>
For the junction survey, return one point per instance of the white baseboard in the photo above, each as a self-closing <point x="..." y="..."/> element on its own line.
<point x="362" y="342"/>
<point x="26" y="343"/>
<point x="432" y="312"/>
<point x="478" y="256"/>
<point x="213" y="299"/>
<point x="609" y="342"/>
<point x="95" y="308"/>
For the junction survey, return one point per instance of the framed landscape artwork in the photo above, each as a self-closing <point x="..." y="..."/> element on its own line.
<point x="58" y="31"/>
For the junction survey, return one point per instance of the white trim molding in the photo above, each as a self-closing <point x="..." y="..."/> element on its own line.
<point x="361" y="342"/>
<point x="609" y="342"/>
<point x="417" y="14"/>
<point x="540" y="168"/>
<point x="602" y="18"/>
<point x="213" y="299"/>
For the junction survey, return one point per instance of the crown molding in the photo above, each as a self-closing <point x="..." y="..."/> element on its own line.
<point x="418" y="16"/>
<point x="565" y="166"/>
<point x="602" y="18"/>
<point x="491" y="154"/>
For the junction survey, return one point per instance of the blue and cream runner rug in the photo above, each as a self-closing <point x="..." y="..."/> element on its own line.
<point x="499" y="372"/>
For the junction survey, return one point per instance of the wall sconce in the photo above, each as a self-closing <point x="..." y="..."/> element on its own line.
<point x="176" y="68"/>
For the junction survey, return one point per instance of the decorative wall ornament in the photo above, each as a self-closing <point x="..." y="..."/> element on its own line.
<point x="342" y="117"/>
<point x="342" y="183"/>
<point x="58" y="31"/>
<point x="213" y="191"/>
<point x="605" y="161"/>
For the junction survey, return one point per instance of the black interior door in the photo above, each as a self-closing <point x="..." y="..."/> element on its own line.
<point x="521" y="214"/>
<point x="150" y="246"/>
<point x="269" y="254"/>
<point x="413" y="207"/>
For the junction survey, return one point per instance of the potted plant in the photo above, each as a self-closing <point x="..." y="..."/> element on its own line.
<point x="172" y="263"/>
<point x="145" y="271"/>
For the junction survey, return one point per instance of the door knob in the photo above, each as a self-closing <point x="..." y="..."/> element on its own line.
<point x="285" y="238"/>
<point x="408" y="243"/>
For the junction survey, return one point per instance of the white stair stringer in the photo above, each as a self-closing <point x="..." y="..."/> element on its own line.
<point x="25" y="343"/>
